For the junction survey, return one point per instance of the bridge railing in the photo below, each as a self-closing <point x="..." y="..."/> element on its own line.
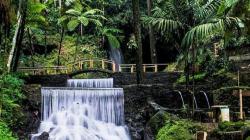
<point x="131" y="68"/>
<point x="44" y="70"/>
<point x="94" y="64"/>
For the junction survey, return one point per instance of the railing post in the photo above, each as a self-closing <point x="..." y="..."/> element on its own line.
<point x="103" y="64"/>
<point x="144" y="68"/>
<point x="156" y="68"/>
<point x="91" y="64"/>
<point x="241" y="104"/>
<point x="132" y="68"/>
<point x="120" y="68"/>
<point x="80" y="65"/>
<point x="113" y="66"/>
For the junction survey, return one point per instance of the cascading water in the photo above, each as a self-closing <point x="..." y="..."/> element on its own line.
<point x="115" y="54"/>
<point x="205" y="94"/>
<point x="195" y="102"/>
<point x="88" y="113"/>
<point x="91" y="83"/>
<point x="182" y="99"/>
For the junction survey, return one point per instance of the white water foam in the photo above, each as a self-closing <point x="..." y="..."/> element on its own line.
<point x="83" y="114"/>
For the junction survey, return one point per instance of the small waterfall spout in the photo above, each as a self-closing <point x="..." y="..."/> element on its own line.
<point x="195" y="102"/>
<point x="182" y="99"/>
<point x="76" y="113"/>
<point x="205" y="94"/>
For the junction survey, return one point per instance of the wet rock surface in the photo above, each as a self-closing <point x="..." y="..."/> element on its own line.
<point x="31" y="109"/>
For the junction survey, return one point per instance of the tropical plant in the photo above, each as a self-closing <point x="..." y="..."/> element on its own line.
<point x="191" y="22"/>
<point x="11" y="95"/>
<point x="111" y="35"/>
<point x="80" y="15"/>
<point x="178" y="130"/>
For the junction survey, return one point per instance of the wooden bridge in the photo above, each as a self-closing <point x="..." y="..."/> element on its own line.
<point x="91" y="65"/>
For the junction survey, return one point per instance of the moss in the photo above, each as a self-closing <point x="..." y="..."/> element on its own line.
<point x="197" y="77"/>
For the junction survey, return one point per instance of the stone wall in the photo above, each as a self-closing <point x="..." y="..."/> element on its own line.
<point x="47" y="80"/>
<point x="149" y="78"/>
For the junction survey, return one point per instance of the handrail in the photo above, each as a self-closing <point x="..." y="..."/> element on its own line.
<point x="90" y="64"/>
<point x="132" y="67"/>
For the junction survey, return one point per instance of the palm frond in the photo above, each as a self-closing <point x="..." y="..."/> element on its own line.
<point x="225" y="6"/>
<point x="83" y="20"/>
<point x="203" y="31"/>
<point x="162" y="24"/>
<point x="96" y="22"/>
<point x="73" y="12"/>
<point x="113" y="41"/>
<point x="73" y="24"/>
<point x="208" y="10"/>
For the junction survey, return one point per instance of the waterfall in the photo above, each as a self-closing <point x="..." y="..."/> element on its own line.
<point x="90" y="83"/>
<point x="195" y="102"/>
<point x="182" y="99"/>
<point x="88" y="109"/>
<point x="115" y="54"/>
<point x="205" y="94"/>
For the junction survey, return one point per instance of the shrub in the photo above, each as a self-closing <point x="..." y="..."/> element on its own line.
<point x="177" y="130"/>
<point x="230" y="126"/>
<point x="197" y="77"/>
<point x="5" y="133"/>
<point x="10" y="97"/>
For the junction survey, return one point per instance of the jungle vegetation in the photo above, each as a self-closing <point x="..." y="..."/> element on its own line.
<point x="37" y="33"/>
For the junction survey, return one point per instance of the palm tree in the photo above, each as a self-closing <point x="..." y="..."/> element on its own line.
<point x="78" y="16"/>
<point x="192" y="21"/>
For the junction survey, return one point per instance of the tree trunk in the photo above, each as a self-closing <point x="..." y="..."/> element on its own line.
<point x="60" y="47"/>
<point x="31" y="47"/>
<point x="137" y="31"/>
<point x="153" y="52"/>
<point x="18" y="37"/>
<point x="193" y="73"/>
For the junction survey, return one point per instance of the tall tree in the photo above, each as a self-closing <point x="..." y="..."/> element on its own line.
<point x="80" y="15"/>
<point x="153" y="52"/>
<point x="5" y="10"/>
<point x="137" y="32"/>
<point x="18" y="37"/>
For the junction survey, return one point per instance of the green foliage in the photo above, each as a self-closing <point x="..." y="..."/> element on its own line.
<point x="197" y="77"/>
<point x="87" y="48"/>
<point x="190" y="23"/>
<point x="5" y="133"/>
<point x="35" y="17"/>
<point x="218" y="65"/>
<point x="172" y="127"/>
<point x="230" y="126"/>
<point x="177" y="130"/>
<point x="111" y="34"/>
<point x="77" y="15"/>
<point x="11" y="95"/>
